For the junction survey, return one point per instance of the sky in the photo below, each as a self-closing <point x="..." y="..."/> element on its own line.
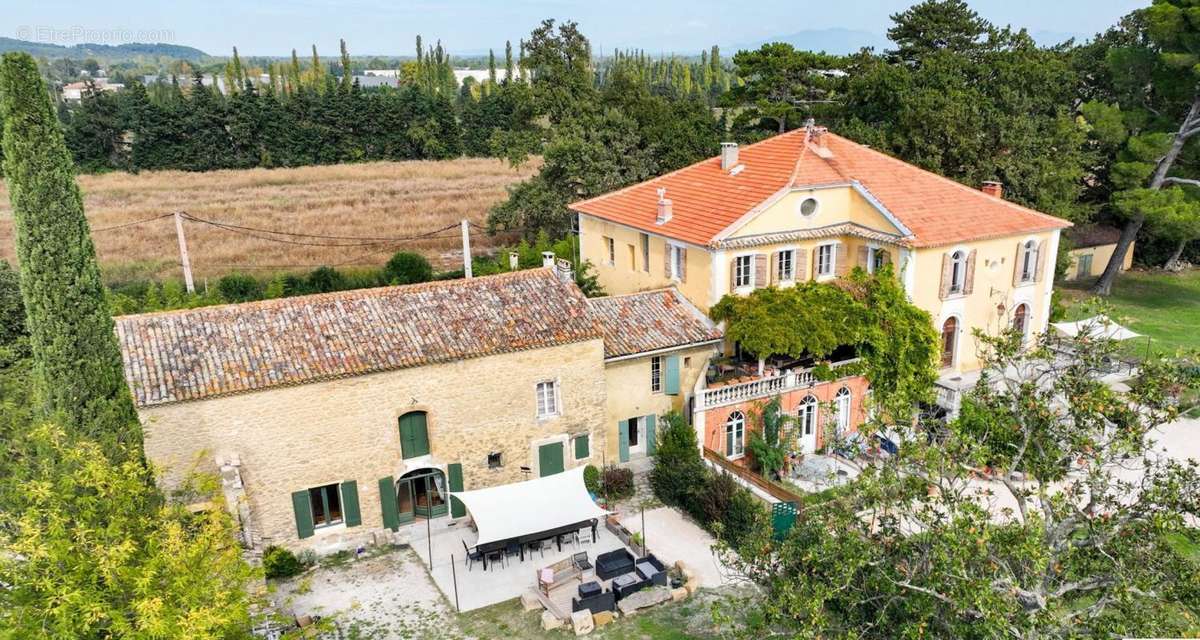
<point x="383" y="27"/>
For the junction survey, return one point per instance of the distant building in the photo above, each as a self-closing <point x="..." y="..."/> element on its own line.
<point x="1091" y="248"/>
<point x="382" y="73"/>
<point x="74" y="91"/>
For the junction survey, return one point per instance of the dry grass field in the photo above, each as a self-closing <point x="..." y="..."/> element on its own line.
<point x="378" y="200"/>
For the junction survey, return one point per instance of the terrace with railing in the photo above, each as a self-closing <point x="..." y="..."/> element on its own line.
<point x="761" y="387"/>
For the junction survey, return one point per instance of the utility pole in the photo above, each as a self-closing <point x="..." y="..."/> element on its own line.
<point x="466" y="238"/>
<point x="183" y="254"/>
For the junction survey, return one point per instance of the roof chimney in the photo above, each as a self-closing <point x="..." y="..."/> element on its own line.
<point x="993" y="188"/>
<point x="548" y="259"/>
<point x="729" y="155"/>
<point x="664" y="205"/>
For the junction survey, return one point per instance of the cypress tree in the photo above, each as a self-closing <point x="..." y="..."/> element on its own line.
<point x="508" y="61"/>
<point x="491" y="69"/>
<point x="347" y="79"/>
<point x="77" y="367"/>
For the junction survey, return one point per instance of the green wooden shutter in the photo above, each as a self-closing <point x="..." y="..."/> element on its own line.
<point x="550" y="459"/>
<point x="303" y="511"/>
<point x="414" y="435"/>
<point x="387" y="503"/>
<point x="350" y="509"/>
<point x="457" y="508"/>
<point x="671" y="386"/>
<point x="582" y="447"/>
<point x="623" y="439"/>
<point x="651" y="440"/>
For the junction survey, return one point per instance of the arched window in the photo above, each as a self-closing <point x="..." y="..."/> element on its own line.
<point x="841" y="409"/>
<point x="807" y="414"/>
<point x="1029" y="260"/>
<point x="949" y="341"/>
<point x="735" y="434"/>
<point x="1020" y="320"/>
<point x="958" y="271"/>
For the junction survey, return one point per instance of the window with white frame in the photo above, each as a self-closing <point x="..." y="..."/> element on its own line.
<point x="785" y="265"/>
<point x="743" y="271"/>
<point x="958" y="271"/>
<point x="547" y="399"/>
<point x="1029" y="260"/>
<point x="825" y="259"/>
<point x="656" y="374"/>
<point x="876" y="259"/>
<point x="841" y="408"/>
<point x="676" y="260"/>
<point x="735" y="434"/>
<point x="611" y="248"/>
<point x="807" y="415"/>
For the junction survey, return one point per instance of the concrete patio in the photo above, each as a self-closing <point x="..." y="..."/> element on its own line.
<point x="477" y="587"/>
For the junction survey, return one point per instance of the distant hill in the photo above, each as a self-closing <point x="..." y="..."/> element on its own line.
<point x="835" y="41"/>
<point x="106" y="51"/>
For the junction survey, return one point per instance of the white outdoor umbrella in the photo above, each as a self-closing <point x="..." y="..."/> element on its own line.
<point x="1096" y="327"/>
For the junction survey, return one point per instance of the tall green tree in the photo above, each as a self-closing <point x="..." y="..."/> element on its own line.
<point x="77" y="364"/>
<point x="1152" y="74"/>
<point x="559" y="59"/>
<point x="783" y="85"/>
<point x="937" y="25"/>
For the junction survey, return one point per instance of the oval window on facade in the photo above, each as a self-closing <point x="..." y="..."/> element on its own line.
<point x="808" y="206"/>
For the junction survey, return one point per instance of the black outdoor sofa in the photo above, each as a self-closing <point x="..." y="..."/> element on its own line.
<point x="603" y="601"/>
<point x="614" y="563"/>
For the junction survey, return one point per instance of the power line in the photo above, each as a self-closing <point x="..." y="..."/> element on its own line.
<point x="371" y="239"/>
<point x="131" y="224"/>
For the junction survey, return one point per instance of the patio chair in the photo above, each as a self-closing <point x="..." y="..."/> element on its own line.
<point x="536" y="545"/>
<point x="584" y="536"/>
<point x="472" y="556"/>
<point x="496" y="557"/>
<point x="581" y="562"/>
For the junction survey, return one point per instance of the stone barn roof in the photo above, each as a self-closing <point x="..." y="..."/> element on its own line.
<point x="213" y="351"/>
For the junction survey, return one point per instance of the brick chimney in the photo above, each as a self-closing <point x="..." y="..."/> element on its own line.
<point x="729" y="155"/>
<point x="664" y="207"/>
<point x="993" y="188"/>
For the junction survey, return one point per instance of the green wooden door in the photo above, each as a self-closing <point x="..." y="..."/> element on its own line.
<point x="651" y="439"/>
<point x="623" y="440"/>
<point x="550" y="459"/>
<point x="457" y="508"/>
<point x="414" y="435"/>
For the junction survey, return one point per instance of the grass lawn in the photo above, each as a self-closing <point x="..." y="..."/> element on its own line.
<point x="687" y="620"/>
<point x="1163" y="306"/>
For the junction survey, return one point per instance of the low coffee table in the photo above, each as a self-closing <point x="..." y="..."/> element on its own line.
<point x="589" y="589"/>
<point x="626" y="584"/>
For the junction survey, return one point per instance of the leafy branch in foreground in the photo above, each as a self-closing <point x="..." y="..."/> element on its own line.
<point x="1042" y="511"/>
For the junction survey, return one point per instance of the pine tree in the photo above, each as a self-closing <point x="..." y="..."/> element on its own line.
<point x="76" y="361"/>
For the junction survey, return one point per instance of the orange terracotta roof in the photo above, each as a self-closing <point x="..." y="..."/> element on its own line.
<point x="650" y="321"/>
<point x="706" y="200"/>
<point x="213" y="351"/>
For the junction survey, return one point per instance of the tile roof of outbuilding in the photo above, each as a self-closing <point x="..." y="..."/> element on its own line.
<point x="650" y="321"/>
<point x="707" y="200"/>
<point x="212" y="351"/>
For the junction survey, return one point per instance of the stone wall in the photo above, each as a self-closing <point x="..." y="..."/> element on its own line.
<point x="292" y="438"/>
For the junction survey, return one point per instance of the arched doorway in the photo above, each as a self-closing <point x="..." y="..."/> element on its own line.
<point x="949" y="341"/>
<point x="807" y="418"/>
<point x="422" y="494"/>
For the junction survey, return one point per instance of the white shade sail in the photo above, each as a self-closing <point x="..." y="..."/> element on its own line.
<point x="511" y="510"/>
<point x="1096" y="327"/>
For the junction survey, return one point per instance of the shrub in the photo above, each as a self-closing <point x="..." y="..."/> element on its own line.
<point x="617" y="482"/>
<point x="324" y="280"/>
<point x="591" y="478"/>
<point x="237" y="287"/>
<point x="279" y="562"/>
<point x="407" y="268"/>
<point x="677" y="464"/>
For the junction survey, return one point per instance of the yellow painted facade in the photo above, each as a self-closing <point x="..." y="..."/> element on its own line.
<point x="1100" y="255"/>
<point x="989" y="305"/>
<point x="629" y="393"/>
